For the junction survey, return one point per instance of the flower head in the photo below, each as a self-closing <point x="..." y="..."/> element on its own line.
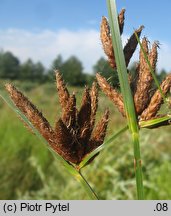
<point x="147" y="101"/>
<point x="75" y="134"/>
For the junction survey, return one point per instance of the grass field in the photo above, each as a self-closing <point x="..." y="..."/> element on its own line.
<point x="29" y="171"/>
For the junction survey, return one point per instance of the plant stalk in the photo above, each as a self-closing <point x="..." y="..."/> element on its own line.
<point x="91" y="193"/>
<point x="127" y="95"/>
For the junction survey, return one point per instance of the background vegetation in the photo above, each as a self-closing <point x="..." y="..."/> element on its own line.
<point x="72" y="70"/>
<point x="29" y="171"/>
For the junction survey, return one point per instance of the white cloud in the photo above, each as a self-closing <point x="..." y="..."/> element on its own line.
<point x="45" y="45"/>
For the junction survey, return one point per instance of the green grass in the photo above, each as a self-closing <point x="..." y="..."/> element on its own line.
<point x="29" y="171"/>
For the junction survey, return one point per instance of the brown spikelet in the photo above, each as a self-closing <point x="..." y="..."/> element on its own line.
<point x="146" y="49"/>
<point x="156" y="100"/>
<point x="60" y="141"/>
<point x="69" y="112"/>
<point x="107" y="41"/>
<point x="63" y="142"/>
<point x="85" y="110"/>
<point x="114" y="96"/>
<point x="121" y="18"/>
<point x="94" y="102"/>
<point x="84" y="118"/>
<point x="131" y="45"/>
<point x="62" y="90"/>
<point x="30" y="111"/>
<point x="106" y="37"/>
<point x="153" y="55"/>
<point x="145" y="79"/>
<point x="99" y="133"/>
<point x="72" y="133"/>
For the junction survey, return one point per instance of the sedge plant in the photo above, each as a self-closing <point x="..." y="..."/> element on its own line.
<point x="136" y="101"/>
<point x="76" y="141"/>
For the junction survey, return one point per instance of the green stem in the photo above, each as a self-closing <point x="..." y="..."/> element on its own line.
<point x="126" y="93"/>
<point x="86" y="186"/>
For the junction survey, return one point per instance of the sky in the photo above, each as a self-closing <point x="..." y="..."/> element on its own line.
<point x="42" y="29"/>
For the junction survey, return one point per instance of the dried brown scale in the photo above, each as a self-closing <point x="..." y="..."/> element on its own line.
<point x="107" y="41"/>
<point x="106" y="37"/>
<point x="83" y="139"/>
<point x="144" y="43"/>
<point x="143" y="66"/>
<point x="63" y="143"/>
<point x="69" y="113"/>
<point x="73" y="111"/>
<point x="62" y="90"/>
<point x="121" y="18"/>
<point x="30" y="111"/>
<point x="156" y="100"/>
<point x="86" y="130"/>
<point x="84" y="113"/>
<point x="153" y="55"/>
<point x="84" y="119"/>
<point x="145" y="79"/>
<point x="115" y="96"/>
<point x="131" y="45"/>
<point x="94" y="102"/>
<point x="99" y="132"/>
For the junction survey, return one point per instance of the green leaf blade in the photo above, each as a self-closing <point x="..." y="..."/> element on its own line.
<point x="126" y="92"/>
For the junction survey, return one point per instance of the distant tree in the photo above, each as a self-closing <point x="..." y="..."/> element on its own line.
<point x="72" y="71"/>
<point x="32" y="71"/>
<point x="39" y="72"/>
<point x="89" y="79"/>
<point x="56" y="65"/>
<point x="9" y="66"/>
<point x="102" y="66"/>
<point x="161" y="75"/>
<point x="27" y="69"/>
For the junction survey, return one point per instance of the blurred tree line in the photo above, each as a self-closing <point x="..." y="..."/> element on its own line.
<point x="71" y="69"/>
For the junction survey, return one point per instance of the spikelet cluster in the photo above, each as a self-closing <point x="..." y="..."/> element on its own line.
<point x="75" y="134"/>
<point x="106" y="40"/>
<point x="147" y="102"/>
